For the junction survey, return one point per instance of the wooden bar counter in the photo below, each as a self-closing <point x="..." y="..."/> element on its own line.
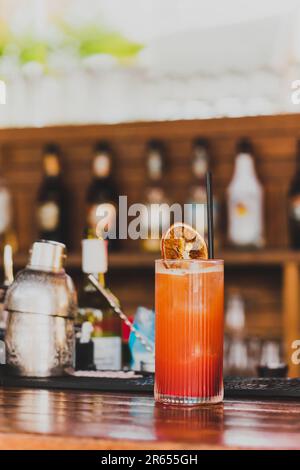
<point x="42" y="419"/>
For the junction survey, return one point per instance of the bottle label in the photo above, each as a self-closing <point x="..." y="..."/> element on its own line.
<point x="107" y="353"/>
<point x="102" y="218"/>
<point x="295" y="208"/>
<point x="155" y="165"/>
<point x="5" y="210"/>
<point x="48" y="216"/>
<point x="200" y="164"/>
<point x="51" y="165"/>
<point x="245" y="221"/>
<point x="102" y="165"/>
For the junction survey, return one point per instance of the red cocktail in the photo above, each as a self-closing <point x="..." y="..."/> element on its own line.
<point x="189" y="302"/>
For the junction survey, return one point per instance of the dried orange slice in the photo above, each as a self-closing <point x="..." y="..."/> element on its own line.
<point x="181" y="241"/>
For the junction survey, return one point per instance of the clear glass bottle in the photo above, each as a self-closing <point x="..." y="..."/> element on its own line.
<point x="236" y="350"/>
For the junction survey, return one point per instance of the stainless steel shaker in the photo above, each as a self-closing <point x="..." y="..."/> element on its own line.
<point x="41" y="305"/>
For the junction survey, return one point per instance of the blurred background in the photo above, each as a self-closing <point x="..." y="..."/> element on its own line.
<point x="140" y="98"/>
<point x="71" y="61"/>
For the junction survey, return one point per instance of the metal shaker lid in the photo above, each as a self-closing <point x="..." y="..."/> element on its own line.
<point x="46" y="255"/>
<point x="43" y="287"/>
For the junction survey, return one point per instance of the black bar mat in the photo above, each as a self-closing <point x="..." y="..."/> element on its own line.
<point x="245" y="387"/>
<point x="235" y="387"/>
<point x="69" y="382"/>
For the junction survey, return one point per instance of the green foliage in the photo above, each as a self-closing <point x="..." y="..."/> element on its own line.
<point x="86" y="40"/>
<point x="4" y="36"/>
<point x="94" y="39"/>
<point x="32" y="50"/>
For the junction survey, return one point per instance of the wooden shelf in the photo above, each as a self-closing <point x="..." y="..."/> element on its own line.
<point x="139" y="260"/>
<point x="260" y="258"/>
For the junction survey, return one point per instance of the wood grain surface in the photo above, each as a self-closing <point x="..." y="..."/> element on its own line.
<point x="41" y="419"/>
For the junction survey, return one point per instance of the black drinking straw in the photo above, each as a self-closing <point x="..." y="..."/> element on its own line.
<point x="210" y="215"/>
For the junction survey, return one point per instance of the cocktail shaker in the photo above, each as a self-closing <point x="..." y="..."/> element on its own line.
<point x="41" y="305"/>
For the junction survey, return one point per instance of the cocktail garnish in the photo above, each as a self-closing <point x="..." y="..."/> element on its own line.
<point x="181" y="241"/>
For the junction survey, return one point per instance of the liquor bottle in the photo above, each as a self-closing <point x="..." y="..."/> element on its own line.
<point x="294" y="205"/>
<point x="245" y="201"/>
<point x="195" y="210"/>
<point x="271" y="362"/>
<point x="7" y="232"/>
<point x="51" y="200"/>
<point x="155" y="217"/>
<point x="235" y="351"/>
<point x="8" y="280"/>
<point x="102" y="198"/>
<point x="93" y="308"/>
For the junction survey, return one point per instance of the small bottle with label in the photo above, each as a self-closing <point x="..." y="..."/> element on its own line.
<point x="294" y="205"/>
<point x="51" y="200"/>
<point x="245" y="201"/>
<point x="93" y="308"/>
<point x="102" y="198"/>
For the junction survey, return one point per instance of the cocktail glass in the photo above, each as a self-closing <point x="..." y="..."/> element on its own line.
<point x="189" y="305"/>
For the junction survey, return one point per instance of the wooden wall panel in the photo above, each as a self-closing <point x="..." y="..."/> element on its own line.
<point x="274" y="140"/>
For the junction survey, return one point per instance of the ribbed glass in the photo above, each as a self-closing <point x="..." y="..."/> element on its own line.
<point x="189" y="305"/>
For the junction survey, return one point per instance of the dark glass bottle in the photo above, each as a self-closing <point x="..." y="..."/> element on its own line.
<point x="196" y="212"/>
<point x="8" y="280"/>
<point x="93" y="308"/>
<point x="195" y="209"/>
<point x="155" y="195"/>
<point x="51" y="200"/>
<point x="294" y="205"/>
<point x="7" y="229"/>
<point x="102" y="198"/>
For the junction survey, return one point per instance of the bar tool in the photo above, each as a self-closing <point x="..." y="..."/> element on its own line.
<point x="41" y="305"/>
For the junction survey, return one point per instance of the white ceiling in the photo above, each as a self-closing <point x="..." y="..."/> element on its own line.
<point x="188" y="36"/>
<point x="148" y="19"/>
<point x="183" y="35"/>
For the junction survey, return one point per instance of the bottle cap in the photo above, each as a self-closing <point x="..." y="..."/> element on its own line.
<point x="52" y="149"/>
<point x="94" y="256"/>
<point x="51" y="160"/>
<point x="86" y="332"/>
<point x="102" y="160"/>
<point x="244" y="145"/>
<point x="200" y="142"/>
